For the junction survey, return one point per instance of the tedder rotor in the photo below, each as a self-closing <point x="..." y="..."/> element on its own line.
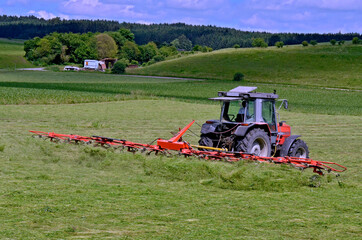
<point x="247" y="130"/>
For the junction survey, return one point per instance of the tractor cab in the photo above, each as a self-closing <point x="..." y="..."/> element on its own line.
<point x="243" y="106"/>
<point x="248" y="123"/>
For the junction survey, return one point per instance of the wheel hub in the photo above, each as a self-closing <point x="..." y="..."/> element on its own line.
<point x="301" y="153"/>
<point x="256" y="149"/>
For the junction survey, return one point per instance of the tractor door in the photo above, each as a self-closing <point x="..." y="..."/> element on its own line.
<point x="268" y="114"/>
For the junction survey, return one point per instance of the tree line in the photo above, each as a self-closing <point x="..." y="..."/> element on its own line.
<point x="27" y="27"/>
<point x="64" y="48"/>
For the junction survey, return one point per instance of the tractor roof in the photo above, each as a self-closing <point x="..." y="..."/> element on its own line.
<point x="243" y="92"/>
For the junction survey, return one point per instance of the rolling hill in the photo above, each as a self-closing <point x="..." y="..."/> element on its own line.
<point x="322" y="65"/>
<point x="11" y="54"/>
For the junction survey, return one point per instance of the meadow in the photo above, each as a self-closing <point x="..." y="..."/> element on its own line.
<point x="64" y="191"/>
<point x="321" y="65"/>
<point x="23" y="87"/>
<point x="67" y="191"/>
<point x="12" y="54"/>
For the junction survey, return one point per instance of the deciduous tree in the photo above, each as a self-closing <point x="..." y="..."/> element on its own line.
<point x="106" y="46"/>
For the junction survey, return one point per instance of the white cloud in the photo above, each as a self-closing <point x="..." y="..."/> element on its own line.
<point x="256" y="21"/>
<point x="47" y="15"/>
<point x="97" y="9"/>
<point x="144" y="22"/>
<point x="63" y="16"/>
<point x="189" y="20"/>
<point x="42" y="14"/>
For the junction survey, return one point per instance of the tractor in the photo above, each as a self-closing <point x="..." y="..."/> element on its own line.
<point x="249" y="123"/>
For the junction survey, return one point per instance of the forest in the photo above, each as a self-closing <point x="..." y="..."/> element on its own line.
<point x="27" y="27"/>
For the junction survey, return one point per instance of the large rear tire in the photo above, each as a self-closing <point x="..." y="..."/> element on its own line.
<point x="299" y="149"/>
<point x="256" y="142"/>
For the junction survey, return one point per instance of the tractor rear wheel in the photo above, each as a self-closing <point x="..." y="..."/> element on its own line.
<point x="299" y="149"/>
<point x="256" y="142"/>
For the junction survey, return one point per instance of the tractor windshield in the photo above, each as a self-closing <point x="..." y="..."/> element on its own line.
<point x="239" y="111"/>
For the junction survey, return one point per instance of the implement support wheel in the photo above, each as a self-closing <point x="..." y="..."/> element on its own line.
<point x="298" y="149"/>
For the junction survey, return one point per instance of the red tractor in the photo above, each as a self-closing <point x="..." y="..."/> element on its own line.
<point x="248" y="123"/>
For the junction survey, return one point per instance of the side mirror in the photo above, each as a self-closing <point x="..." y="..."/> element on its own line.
<point x="285" y="103"/>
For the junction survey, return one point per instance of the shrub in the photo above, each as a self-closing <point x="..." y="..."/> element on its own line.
<point x="238" y="76"/>
<point x="236" y="46"/>
<point x="197" y="48"/>
<point x="152" y="61"/>
<point x="259" y="42"/>
<point x="158" y="58"/>
<point x="134" y="62"/>
<point x="279" y="44"/>
<point x="355" y="40"/>
<point x="305" y="43"/>
<point x="341" y="42"/>
<point x="333" y="41"/>
<point x="313" y="42"/>
<point x="119" y="67"/>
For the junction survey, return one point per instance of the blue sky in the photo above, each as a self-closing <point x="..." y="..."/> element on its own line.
<point x="305" y="16"/>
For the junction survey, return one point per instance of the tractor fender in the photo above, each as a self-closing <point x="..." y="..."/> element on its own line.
<point x="287" y="144"/>
<point x="209" y="127"/>
<point x="241" y="131"/>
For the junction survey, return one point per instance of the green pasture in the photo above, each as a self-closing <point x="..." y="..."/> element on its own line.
<point x="24" y="87"/>
<point x="12" y="54"/>
<point x="66" y="191"/>
<point x="321" y="65"/>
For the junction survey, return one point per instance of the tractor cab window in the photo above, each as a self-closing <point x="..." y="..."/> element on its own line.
<point x="268" y="114"/>
<point x="239" y="111"/>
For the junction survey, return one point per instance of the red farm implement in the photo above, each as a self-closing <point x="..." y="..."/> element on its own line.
<point x="176" y="146"/>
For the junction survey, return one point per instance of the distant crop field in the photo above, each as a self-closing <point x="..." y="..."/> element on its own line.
<point x="12" y="54"/>
<point x="20" y="87"/>
<point x="321" y="65"/>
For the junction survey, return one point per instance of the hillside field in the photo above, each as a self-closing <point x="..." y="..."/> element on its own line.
<point x="64" y="191"/>
<point x="12" y="54"/>
<point x="321" y="65"/>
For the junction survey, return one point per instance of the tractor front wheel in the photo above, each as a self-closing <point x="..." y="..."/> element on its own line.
<point x="256" y="142"/>
<point x="299" y="149"/>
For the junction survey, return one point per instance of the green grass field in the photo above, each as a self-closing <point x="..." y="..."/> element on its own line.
<point x="321" y="65"/>
<point x="22" y="87"/>
<point x="63" y="191"/>
<point x="12" y="54"/>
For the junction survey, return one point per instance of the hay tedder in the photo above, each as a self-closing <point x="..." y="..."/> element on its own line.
<point x="247" y="130"/>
